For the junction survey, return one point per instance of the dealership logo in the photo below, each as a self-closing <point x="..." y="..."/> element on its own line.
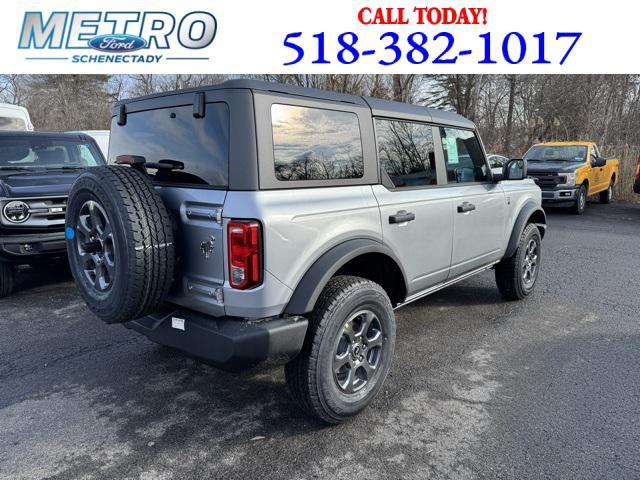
<point x="117" y="35"/>
<point x="117" y="43"/>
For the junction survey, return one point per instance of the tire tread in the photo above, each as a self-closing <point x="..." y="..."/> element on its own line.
<point x="148" y="237"/>
<point x="301" y="376"/>
<point x="507" y="272"/>
<point x="7" y="275"/>
<point x="604" y="195"/>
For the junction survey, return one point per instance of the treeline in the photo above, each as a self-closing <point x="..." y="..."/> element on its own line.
<point x="511" y="111"/>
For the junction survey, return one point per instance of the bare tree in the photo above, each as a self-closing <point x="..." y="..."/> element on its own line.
<point x="511" y="111"/>
<point x="459" y="92"/>
<point x="69" y="102"/>
<point x="13" y="89"/>
<point x="512" y="81"/>
<point x="141" y="85"/>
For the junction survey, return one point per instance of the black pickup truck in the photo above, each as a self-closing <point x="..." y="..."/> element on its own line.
<point x="37" y="170"/>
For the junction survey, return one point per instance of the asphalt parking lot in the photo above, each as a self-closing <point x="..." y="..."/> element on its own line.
<point x="480" y="388"/>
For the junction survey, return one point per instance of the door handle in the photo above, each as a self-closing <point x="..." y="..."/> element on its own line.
<point x="466" y="207"/>
<point x="401" y="217"/>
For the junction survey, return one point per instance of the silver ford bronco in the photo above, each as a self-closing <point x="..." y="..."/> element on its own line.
<point x="249" y="221"/>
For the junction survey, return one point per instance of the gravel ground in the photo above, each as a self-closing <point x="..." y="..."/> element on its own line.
<point x="480" y="388"/>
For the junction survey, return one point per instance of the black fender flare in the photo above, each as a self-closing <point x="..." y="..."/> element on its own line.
<point x="528" y="209"/>
<point x="314" y="280"/>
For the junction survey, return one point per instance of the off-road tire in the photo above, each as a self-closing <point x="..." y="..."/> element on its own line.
<point x="580" y="204"/>
<point x="7" y="275"/>
<point x="142" y="242"/>
<point x="310" y="376"/>
<point x="607" y="195"/>
<point x="509" y="277"/>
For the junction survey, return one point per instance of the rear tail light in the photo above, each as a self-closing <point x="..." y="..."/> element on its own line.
<point x="244" y="239"/>
<point x="638" y="170"/>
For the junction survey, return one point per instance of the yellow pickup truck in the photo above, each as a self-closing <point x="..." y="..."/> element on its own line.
<point x="568" y="172"/>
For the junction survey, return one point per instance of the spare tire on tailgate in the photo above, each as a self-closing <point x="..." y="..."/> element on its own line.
<point x="119" y="242"/>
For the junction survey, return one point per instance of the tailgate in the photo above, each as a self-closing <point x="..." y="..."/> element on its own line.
<point x="199" y="239"/>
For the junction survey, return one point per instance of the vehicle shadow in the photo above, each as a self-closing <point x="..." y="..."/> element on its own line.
<point x="154" y="399"/>
<point x="594" y="205"/>
<point x="550" y="210"/>
<point x="40" y="275"/>
<point x="150" y="402"/>
<point x="145" y="402"/>
<point x="480" y="290"/>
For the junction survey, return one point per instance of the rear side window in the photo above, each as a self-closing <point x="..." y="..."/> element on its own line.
<point x="201" y="144"/>
<point x="12" y="123"/>
<point x="463" y="156"/>
<point x="315" y="144"/>
<point x="406" y="152"/>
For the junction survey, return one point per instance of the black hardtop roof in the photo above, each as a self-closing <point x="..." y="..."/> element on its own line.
<point x="379" y="107"/>
<point x="56" y="135"/>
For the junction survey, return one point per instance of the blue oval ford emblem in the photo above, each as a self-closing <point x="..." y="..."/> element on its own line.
<point x="117" y="43"/>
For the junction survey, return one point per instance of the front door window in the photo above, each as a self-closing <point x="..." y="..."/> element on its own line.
<point x="463" y="156"/>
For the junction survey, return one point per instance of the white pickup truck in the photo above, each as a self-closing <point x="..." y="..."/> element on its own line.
<point x="14" y="117"/>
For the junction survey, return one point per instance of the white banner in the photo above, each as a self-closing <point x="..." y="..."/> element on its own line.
<point x="329" y="36"/>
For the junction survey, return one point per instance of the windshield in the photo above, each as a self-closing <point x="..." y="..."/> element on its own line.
<point x="41" y="153"/>
<point x="564" y="153"/>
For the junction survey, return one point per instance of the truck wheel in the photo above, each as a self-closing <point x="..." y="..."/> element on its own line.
<point x="347" y="352"/>
<point x="516" y="276"/>
<point x="581" y="201"/>
<point x="607" y="195"/>
<point x="119" y="243"/>
<point x="7" y="273"/>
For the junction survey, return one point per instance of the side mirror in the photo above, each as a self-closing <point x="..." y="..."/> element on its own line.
<point x="515" y="169"/>
<point x="600" y="162"/>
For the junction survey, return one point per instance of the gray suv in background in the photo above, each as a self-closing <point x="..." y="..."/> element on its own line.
<point x="249" y="221"/>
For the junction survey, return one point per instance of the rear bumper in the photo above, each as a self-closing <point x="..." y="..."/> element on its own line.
<point x="227" y="342"/>
<point x="560" y="196"/>
<point x="22" y="248"/>
<point x="636" y="186"/>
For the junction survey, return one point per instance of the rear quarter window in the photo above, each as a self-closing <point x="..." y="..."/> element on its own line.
<point x="201" y="144"/>
<point x="315" y="144"/>
<point x="12" y="123"/>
